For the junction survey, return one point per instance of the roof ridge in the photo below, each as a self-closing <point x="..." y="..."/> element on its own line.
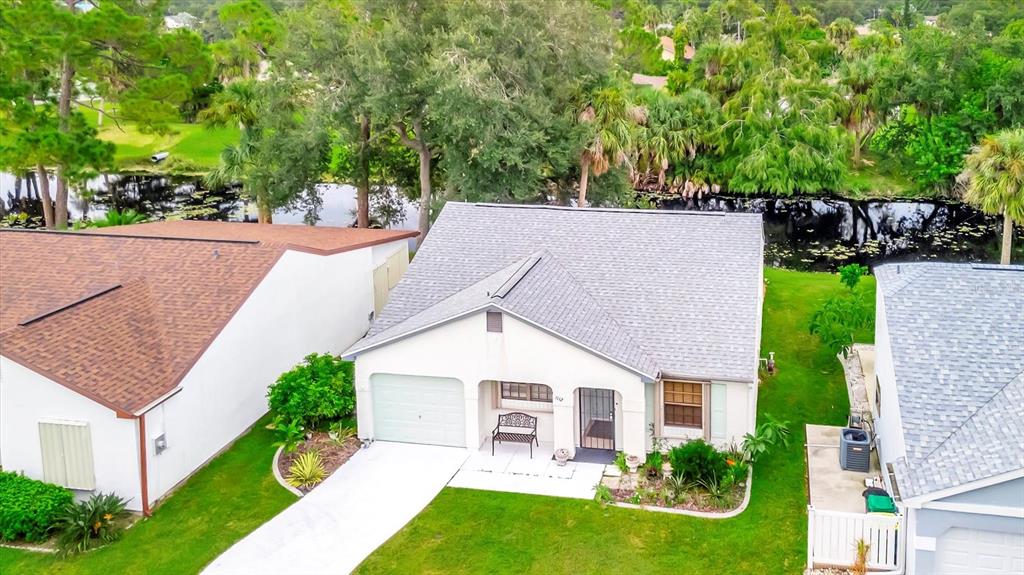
<point x="576" y="209"/>
<point x="610" y="318"/>
<point x="57" y="309"/>
<point x="524" y="268"/>
<point x="1002" y="388"/>
<point x="80" y="234"/>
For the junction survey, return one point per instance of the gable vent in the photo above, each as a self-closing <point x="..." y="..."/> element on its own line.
<point x="494" y="321"/>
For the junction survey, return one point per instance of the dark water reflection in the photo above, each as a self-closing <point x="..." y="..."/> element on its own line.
<point x="800" y="233"/>
<point x="162" y="197"/>
<point x="824" y="233"/>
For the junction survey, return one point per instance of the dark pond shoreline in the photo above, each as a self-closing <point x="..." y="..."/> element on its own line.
<point x="808" y="233"/>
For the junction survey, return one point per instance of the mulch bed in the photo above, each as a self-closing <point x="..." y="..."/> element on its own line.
<point x="697" y="501"/>
<point x="332" y="454"/>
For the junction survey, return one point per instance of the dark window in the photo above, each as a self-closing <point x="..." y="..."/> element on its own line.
<point x="684" y="404"/>
<point x="494" y="321"/>
<point x="525" y="391"/>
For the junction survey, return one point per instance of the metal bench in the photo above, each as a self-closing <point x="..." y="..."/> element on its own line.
<point x="515" y="427"/>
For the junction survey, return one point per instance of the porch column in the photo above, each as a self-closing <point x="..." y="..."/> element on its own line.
<point x="563" y="413"/>
<point x="634" y="427"/>
<point x="472" y="395"/>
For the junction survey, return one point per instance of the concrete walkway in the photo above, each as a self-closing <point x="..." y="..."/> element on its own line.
<point x="354" y="511"/>
<point x="512" y="469"/>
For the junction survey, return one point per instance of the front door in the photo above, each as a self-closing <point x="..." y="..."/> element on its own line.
<point x="597" y="418"/>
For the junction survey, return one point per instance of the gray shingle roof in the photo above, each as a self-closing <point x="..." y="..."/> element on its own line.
<point x="957" y="338"/>
<point x="676" y="293"/>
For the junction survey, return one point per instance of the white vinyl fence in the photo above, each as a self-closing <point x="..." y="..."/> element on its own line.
<point x="832" y="539"/>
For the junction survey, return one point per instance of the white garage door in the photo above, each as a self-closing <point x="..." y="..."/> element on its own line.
<point x="416" y="409"/>
<point x="974" y="552"/>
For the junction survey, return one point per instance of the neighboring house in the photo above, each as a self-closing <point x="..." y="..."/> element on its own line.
<point x="130" y="356"/>
<point x="950" y="412"/>
<point x="181" y="20"/>
<point x="605" y="324"/>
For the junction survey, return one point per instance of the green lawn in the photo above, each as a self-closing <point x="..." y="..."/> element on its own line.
<point x="194" y="148"/>
<point x="879" y="177"/>
<point x="226" y="500"/>
<point x="466" y="531"/>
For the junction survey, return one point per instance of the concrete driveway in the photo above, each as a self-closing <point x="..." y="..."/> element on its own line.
<point x="354" y="511"/>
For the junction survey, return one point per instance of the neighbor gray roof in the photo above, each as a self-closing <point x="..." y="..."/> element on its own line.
<point x="957" y="337"/>
<point x="661" y="292"/>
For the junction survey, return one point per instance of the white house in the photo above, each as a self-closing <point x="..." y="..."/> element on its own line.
<point x="949" y="412"/>
<point x="130" y="356"/>
<point x="608" y="325"/>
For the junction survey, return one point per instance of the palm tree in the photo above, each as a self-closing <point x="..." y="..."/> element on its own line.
<point x="995" y="172"/>
<point x="238" y="103"/>
<point x="612" y="121"/>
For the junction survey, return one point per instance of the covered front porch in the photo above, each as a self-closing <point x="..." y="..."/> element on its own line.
<point x="592" y="423"/>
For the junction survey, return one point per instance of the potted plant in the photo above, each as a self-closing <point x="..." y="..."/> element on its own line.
<point x="561" y="455"/>
<point x="632" y="462"/>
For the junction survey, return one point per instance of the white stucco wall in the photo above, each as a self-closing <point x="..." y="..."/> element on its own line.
<point x="889" y="425"/>
<point x="307" y="303"/>
<point x="26" y="398"/>
<point x="463" y="349"/>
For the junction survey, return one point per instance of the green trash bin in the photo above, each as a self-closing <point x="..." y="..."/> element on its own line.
<point x="876" y="503"/>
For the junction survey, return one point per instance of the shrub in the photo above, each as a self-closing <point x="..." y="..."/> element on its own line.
<point x="602" y="494"/>
<point x="340" y="432"/>
<point x="653" y="464"/>
<point x="307" y="470"/>
<point x="29" y="508"/>
<point x="88" y="524"/>
<point x="770" y="433"/>
<point x="289" y="433"/>
<point x="620" y="462"/>
<point x="697" y="461"/>
<point x="315" y="392"/>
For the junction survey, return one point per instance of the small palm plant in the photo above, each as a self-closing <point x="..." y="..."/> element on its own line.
<point x="119" y="218"/>
<point x="860" y="564"/>
<point x="91" y="523"/>
<point x="307" y="470"/>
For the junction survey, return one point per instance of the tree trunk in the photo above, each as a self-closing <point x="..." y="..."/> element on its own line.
<point x="43" y="184"/>
<point x="67" y="72"/>
<point x="584" y="180"/>
<point x="265" y="215"/>
<point x="421" y="147"/>
<point x="1004" y="259"/>
<point x="424" y="223"/>
<point x="857" y="143"/>
<point x="363" y="183"/>
<point x="246" y="69"/>
<point x="100" y="113"/>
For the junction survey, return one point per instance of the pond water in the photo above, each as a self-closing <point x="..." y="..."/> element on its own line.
<point x="824" y="233"/>
<point x="161" y="197"/>
<point x="800" y="233"/>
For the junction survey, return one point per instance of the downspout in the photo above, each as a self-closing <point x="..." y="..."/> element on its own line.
<point x="143" y="466"/>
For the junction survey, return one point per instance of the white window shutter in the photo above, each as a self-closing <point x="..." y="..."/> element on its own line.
<point x="66" y="449"/>
<point x="718" y="411"/>
<point x="380" y="288"/>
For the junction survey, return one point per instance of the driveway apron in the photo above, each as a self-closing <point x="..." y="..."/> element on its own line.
<point x="355" y="510"/>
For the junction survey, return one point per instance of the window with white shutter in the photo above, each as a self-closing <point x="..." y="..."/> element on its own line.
<point x="66" y="447"/>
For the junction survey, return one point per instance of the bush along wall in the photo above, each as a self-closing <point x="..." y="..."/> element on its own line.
<point x="29" y="508"/>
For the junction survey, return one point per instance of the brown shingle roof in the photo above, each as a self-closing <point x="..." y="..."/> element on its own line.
<point x="160" y="301"/>
<point x="320" y="239"/>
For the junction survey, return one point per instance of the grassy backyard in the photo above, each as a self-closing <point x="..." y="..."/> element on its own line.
<point x="226" y="500"/>
<point x="465" y="531"/>
<point x="194" y="148"/>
